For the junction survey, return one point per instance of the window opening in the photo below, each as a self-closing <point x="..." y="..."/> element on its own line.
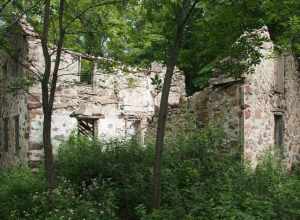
<point x="87" y="127"/>
<point x="6" y="138"/>
<point x="279" y="134"/>
<point x="17" y="134"/>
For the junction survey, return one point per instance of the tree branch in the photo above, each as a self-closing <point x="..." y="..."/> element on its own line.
<point x="47" y="57"/>
<point x="58" y="53"/>
<point x="89" y="8"/>
<point x="189" y="13"/>
<point x="4" y="5"/>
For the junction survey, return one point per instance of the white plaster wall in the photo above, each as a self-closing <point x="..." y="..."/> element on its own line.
<point x="111" y="127"/>
<point x="69" y="63"/>
<point x="138" y="99"/>
<point x="62" y="126"/>
<point x="113" y="95"/>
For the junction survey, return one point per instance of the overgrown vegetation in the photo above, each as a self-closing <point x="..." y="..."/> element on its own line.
<point x="112" y="180"/>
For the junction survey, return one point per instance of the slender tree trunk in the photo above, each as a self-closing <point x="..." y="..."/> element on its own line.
<point x="48" y="83"/>
<point x="162" y="118"/>
<point x="45" y="100"/>
<point x="48" y="151"/>
<point x="182" y="19"/>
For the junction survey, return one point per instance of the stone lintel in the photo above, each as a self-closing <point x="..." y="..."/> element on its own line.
<point x="222" y="81"/>
<point x="278" y="111"/>
<point x="129" y="116"/>
<point x="92" y="117"/>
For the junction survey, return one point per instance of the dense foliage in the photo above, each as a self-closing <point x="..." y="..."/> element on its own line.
<point x="140" y="32"/>
<point x="112" y="180"/>
<point x="23" y="195"/>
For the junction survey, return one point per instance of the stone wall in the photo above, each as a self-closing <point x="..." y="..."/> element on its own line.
<point x="292" y="106"/>
<point x="264" y="101"/>
<point x="220" y="104"/>
<point x="121" y="101"/>
<point x="13" y="103"/>
<point x="246" y="108"/>
<point x="259" y="106"/>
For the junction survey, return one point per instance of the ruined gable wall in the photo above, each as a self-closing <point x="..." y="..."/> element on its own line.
<point x="13" y="105"/>
<point x="292" y="113"/>
<point x="66" y="99"/>
<point x="259" y="103"/>
<point x="245" y="109"/>
<point x="69" y="72"/>
<point x="263" y="102"/>
<point x="123" y="98"/>
<point x="273" y="89"/>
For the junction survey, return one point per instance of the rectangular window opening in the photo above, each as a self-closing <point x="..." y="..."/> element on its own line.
<point x="6" y="135"/>
<point x="1" y="133"/>
<point x="17" y="134"/>
<point x="4" y="71"/>
<point x="87" y="127"/>
<point x="279" y="134"/>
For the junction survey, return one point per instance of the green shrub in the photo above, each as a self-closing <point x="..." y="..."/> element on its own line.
<point x="113" y="180"/>
<point x="17" y="187"/>
<point x="23" y="196"/>
<point x="67" y="203"/>
<point x="231" y="192"/>
<point x="124" y="165"/>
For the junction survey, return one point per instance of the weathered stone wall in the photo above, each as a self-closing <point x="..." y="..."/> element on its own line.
<point x="225" y="109"/>
<point x="263" y="101"/>
<point x="220" y="104"/>
<point x="246" y="108"/>
<point x="67" y="99"/>
<point x="292" y="113"/>
<point x="122" y="101"/>
<point x="259" y="104"/>
<point x="13" y="104"/>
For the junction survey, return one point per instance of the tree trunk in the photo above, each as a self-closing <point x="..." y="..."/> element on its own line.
<point x="163" y="113"/>
<point x="48" y="151"/>
<point x="50" y="80"/>
<point x="182" y="19"/>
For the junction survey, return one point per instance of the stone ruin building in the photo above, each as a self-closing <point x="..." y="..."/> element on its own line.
<point x="258" y="111"/>
<point x="90" y="99"/>
<point x="14" y="114"/>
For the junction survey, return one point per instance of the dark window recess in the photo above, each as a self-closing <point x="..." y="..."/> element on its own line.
<point x="15" y="63"/>
<point x="1" y="133"/>
<point x="17" y="134"/>
<point x="86" y="72"/>
<point x="6" y="138"/>
<point x="16" y="67"/>
<point x="4" y="70"/>
<point x="86" y="127"/>
<point x="279" y="134"/>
